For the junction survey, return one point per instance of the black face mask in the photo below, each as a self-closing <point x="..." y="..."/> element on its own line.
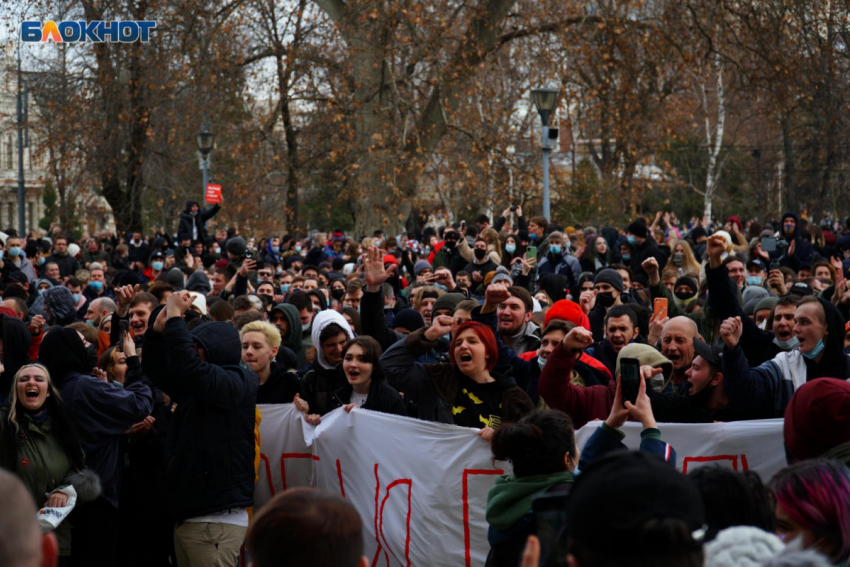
<point x="605" y="299"/>
<point x="684" y="295"/>
<point x="337" y="293"/>
<point x="450" y="244"/>
<point x="91" y="354"/>
<point x="480" y="253"/>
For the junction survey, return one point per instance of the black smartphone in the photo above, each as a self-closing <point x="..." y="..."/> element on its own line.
<point x="549" y="523"/>
<point x="630" y="377"/>
<point x="768" y="244"/>
<point x="123" y="325"/>
<point x="260" y="264"/>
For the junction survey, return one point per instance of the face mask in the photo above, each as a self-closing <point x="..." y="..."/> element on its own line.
<point x="157" y="266"/>
<point x="815" y="351"/>
<point x="627" y="257"/>
<point x="284" y="288"/>
<point x="684" y="295"/>
<point x="450" y="244"/>
<point x="541" y="362"/>
<point x="678" y="257"/>
<point x="42" y="291"/>
<point x="216" y="250"/>
<point x="97" y="286"/>
<point x="753" y="280"/>
<point x="789" y="228"/>
<point x="75" y="297"/>
<point x="555" y="249"/>
<point x="193" y="213"/>
<point x="682" y="303"/>
<point x="337" y="293"/>
<point x="279" y="271"/>
<point x="532" y="236"/>
<point x="786" y="345"/>
<point x="631" y="239"/>
<point x="480" y="253"/>
<point x="91" y="354"/>
<point x="14" y="251"/>
<point x="41" y="261"/>
<point x="510" y="248"/>
<point x="275" y="249"/>
<point x="90" y="322"/>
<point x="763" y="325"/>
<point x="298" y="249"/>
<point x="605" y="299"/>
<point x="441" y="286"/>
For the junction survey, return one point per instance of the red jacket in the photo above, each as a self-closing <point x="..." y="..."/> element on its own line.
<point x="581" y="404"/>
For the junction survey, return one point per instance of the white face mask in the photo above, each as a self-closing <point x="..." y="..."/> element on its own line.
<point x="541" y="362"/>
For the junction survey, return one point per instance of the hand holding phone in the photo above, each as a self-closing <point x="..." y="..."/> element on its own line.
<point x="549" y="524"/>
<point x="123" y="333"/>
<point x="630" y="379"/>
<point x="531" y="252"/>
<point x="659" y="306"/>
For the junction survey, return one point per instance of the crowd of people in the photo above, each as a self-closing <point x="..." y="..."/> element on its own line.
<point x="132" y="367"/>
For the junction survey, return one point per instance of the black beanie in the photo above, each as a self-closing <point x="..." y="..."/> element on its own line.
<point x="409" y="319"/>
<point x="610" y="276"/>
<point x="688" y="281"/>
<point x="639" y="229"/>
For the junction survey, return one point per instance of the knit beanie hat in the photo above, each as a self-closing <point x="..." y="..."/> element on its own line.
<point x="742" y="546"/>
<point x="754" y="291"/>
<point x="447" y="301"/>
<point x="647" y="356"/>
<point x="698" y="232"/>
<point x="236" y="246"/>
<point x="409" y="319"/>
<point x="611" y="277"/>
<point x="766" y="303"/>
<point x="817" y="418"/>
<point x="58" y="299"/>
<point x="639" y="229"/>
<point x="566" y="310"/>
<point x="421" y="265"/>
<point x="688" y="281"/>
<point x="174" y="277"/>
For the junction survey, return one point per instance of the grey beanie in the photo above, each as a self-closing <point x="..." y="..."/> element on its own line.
<point x="61" y="304"/>
<point x="754" y="291"/>
<point x="236" y="246"/>
<point x="421" y="265"/>
<point x="766" y="303"/>
<point x="611" y="277"/>
<point x="175" y="278"/>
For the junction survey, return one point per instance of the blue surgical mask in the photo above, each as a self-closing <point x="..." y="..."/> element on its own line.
<point x="753" y="280"/>
<point x="279" y="271"/>
<point x="76" y="297"/>
<point x="298" y="249"/>
<point x="90" y="322"/>
<point x="786" y="345"/>
<point x="157" y="266"/>
<point x="441" y="286"/>
<point x="284" y="287"/>
<point x="510" y="248"/>
<point x="42" y="291"/>
<point x="14" y="251"/>
<point x="631" y="239"/>
<point x="555" y="249"/>
<point x="532" y="236"/>
<point x="627" y="257"/>
<point x="815" y="351"/>
<point x="275" y="249"/>
<point x="96" y="286"/>
<point x="41" y="261"/>
<point x="541" y="362"/>
<point x="216" y="250"/>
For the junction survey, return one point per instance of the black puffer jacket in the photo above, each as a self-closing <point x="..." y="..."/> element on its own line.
<point x="210" y="447"/>
<point x="185" y="229"/>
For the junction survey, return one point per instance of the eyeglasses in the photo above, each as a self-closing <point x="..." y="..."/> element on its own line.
<point x="264" y="274"/>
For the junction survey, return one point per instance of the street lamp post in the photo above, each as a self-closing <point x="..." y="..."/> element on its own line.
<point x="206" y="140"/>
<point x="545" y="101"/>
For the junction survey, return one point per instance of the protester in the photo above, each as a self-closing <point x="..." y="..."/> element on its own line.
<point x="22" y="543"/>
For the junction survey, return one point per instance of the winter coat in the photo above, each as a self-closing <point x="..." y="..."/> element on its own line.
<point x="451" y="259"/>
<point x="188" y="222"/>
<point x="562" y="264"/>
<point x="382" y="397"/>
<point x="210" y="448"/>
<point x="16" y="344"/>
<point x="68" y="265"/>
<point x="27" y="268"/>
<point x="527" y="340"/>
<point x="280" y="388"/>
<point x="434" y="387"/>
<point x="767" y="389"/>
<point x="320" y="382"/>
<point x="804" y="252"/>
<point x="757" y="344"/>
<point x="647" y="249"/>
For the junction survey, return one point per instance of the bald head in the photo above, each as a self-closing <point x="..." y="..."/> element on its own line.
<point x="21" y="541"/>
<point x="98" y="309"/>
<point x="677" y="342"/>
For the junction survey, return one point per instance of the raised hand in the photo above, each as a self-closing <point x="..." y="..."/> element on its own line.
<point x="731" y="330"/>
<point x="587" y="300"/>
<point x="641" y="410"/>
<point x="373" y="269"/>
<point x="440" y="326"/>
<point x="125" y="296"/>
<point x="714" y="248"/>
<point x="650" y="266"/>
<point x="578" y="339"/>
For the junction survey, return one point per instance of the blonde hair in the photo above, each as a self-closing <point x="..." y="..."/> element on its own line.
<point x="267" y="329"/>
<point x="13" y="396"/>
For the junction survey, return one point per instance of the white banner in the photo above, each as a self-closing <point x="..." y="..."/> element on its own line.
<point x="421" y="487"/>
<point x="740" y="445"/>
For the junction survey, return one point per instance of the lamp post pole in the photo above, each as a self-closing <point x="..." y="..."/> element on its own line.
<point x="22" y="117"/>
<point x="545" y="101"/>
<point x="205" y="140"/>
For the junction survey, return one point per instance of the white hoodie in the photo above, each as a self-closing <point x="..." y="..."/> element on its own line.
<point x="322" y="320"/>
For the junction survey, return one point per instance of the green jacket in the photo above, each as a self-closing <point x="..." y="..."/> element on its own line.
<point x="704" y="318"/>
<point x="41" y="464"/>
<point x="510" y="499"/>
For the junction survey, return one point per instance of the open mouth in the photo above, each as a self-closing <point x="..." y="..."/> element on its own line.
<point x="354" y="373"/>
<point x="466" y="357"/>
<point x="32" y="394"/>
<point x="783" y="335"/>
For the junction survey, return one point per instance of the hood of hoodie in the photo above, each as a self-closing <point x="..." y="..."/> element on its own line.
<point x="189" y="204"/>
<point x="295" y="328"/>
<point x="16" y="344"/>
<point x="221" y="343"/>
<point x="323" y="301"/>
<point x="320" y="321"/>
<point x="647" y="356"/>
<point x="796" y="217"/>
<point x="199" y="282"/>
<point x="554" y="285"/>
<point x="833" y="363"/>
<point x="511" y="497"/>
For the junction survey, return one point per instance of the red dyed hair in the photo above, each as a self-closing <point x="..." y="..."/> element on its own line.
<point x="484" y="334"/>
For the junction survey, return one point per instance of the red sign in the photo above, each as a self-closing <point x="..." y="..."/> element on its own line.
<point x="213" y="193"/>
